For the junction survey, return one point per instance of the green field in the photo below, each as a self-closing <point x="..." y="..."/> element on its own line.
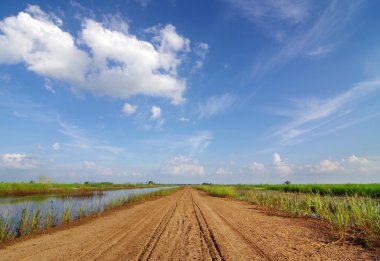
<point x="349" y="214"/>
<point x="370" y="190"/>
<point x="20" y="188"/>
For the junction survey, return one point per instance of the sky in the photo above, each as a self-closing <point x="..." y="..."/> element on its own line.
<point x="221" y="91"/>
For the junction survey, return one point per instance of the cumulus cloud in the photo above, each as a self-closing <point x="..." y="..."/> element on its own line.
<point x="256" y="167"/>
<point x="56" y="146"/>
<point x="89" y="165"/>
<point x="124" y="65"/>
<point x="119" y="63"/>
<point x="129" y="109"/>
<point x="33" y="38"/>
<point x="280" y="166"/>
<point x="221" y="172"/>
<point x="215" y="105"/>
<point x="183" y="165"/>
<point x="327" y="166"/>
<point x="352" y="163"/>
<point x="18" y="161"/>
<point x="354" y="159"/>
<point x="156" y="112"/>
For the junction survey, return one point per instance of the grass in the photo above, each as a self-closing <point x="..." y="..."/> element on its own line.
<point x="368" y="190"/>
<point x="352" y="215"/>
<point x="34" y="221"/>
<point x="22" y="188"/>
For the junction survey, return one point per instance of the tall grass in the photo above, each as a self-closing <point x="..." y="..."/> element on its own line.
<point x="354" y="216"/>
<point x="33" y="221"/>
<point x="370" y="190"/>
<point x="22" y="188"/>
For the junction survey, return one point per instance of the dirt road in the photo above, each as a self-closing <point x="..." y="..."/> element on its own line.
<point x="189" y="225"/>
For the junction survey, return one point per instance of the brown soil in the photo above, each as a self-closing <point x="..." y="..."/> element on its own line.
<point x="189" y="225"/>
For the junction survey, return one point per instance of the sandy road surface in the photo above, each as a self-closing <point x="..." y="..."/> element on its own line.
<point x="188" y="225"/>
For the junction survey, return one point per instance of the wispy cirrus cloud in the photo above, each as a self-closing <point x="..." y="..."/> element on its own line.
<point x="301" y="28"/>
<point x="309" y="115"/>
<point x="215" y="105"/>
<point x="79" y="139"/>
<point x="313" y="36"/>
<point x="264" y="12"/>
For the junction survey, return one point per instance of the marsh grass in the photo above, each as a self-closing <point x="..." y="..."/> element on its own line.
<point x="66" y="213"/>
<point x="49" y="218"/>
<point x="23" y="225"/>
<point x="355" y="216"/>
<point x="34" y="221"/>
<point x="367" y="190"/>
<point x="22" y="188"/>
<point x="6" y="232"/>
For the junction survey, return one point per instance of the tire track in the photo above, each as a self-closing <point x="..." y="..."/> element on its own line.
<point x="247" y="240"/>
<point x="148" y="250"/>
<point x="120" y="235"/>
<point x="212" y="244"/>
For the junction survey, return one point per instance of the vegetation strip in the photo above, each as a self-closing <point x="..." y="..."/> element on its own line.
<point x="354" y="216"/>
<point x="369" y="190"/>
<point x="20" y="188"/>
<point x="35" y="222"/>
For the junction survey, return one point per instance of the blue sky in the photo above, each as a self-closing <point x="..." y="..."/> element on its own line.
<point x="190" y="91"/>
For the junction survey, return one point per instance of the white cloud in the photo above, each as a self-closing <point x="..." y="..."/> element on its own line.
<point x="156" y="112"/>
<point x="281" y="167"/>
<point x="182" y="165"/>
<point x="352" y="163"/>
<point x="120" y="65"/>
<point x="56" y="146"/>
<point x="18" y="161"/>
<point x="221" y="172"/>
<point x="327" y="166"/>
<point x="320" y="51"/>
<point x="201" y="50"/>
<point x="200" y="141"/>
<point x="129" y="109"/>
<point x="79" y="139"/>
<point x="310" y="115"/>
<point x="34" y="38"/>
<point x="215" y="105"/>
<point x="89" y="165"/>
<point x="298" y="32"/>
<point x="184" y="119"/>
<point x="354" y="159"/>
<point x="257" y="167"/>
<point x="49" y="85"/>
<point x="264" y="12"/>
<point x="134" y="66"/>
<point x="143" y="3"/>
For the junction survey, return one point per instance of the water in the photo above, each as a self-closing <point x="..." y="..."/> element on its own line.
<point x="95" y="200"/>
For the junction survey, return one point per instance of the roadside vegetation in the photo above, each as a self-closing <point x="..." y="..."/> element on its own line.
<point x="45" y="187"/>
<point x="35" y="221"/>
<point x="369" y="190"/>
<point x="351" y="216"/>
